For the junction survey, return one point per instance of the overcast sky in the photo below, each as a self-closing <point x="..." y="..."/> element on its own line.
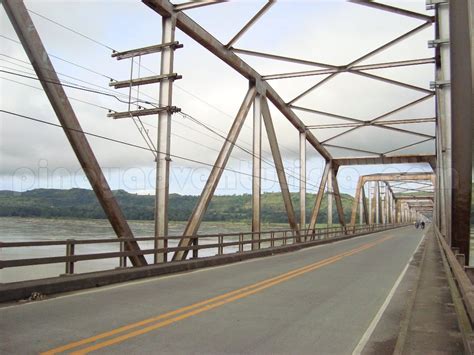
<point x="35" y="155"/>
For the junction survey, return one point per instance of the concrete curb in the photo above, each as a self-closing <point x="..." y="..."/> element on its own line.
<point x="21" y="290"/>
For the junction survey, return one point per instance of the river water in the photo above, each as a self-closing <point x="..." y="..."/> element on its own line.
<point x="38" y="229"/>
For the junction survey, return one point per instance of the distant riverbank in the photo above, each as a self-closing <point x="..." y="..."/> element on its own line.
<point x="83" y="204"/>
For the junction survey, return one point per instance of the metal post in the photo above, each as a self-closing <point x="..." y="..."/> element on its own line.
<point x="338" y="199"/>
<point x="369" y="196"/>
<point x="357" y="200"/>
<point x="220" y="249"/>
<point x="330" y="196"/>
<point x="70" y="252"/>
<point x="303" y="181"/>
<point x="443" y="126"/>
<point x="31" y="41"/>
<point x="461" y="26"/>
<point x="205" y="198"/>
<point x="361" y="208"/>
<point x="164" y="137"/>
<point x="122" y="259"/>
<point x="280" y="169"/>
<point x="319" y="196"/>
<point x="377" y="202"/>
<point x="256" y="171"/>
<point x="195" y="244"/>
<point x="364" y="203"/>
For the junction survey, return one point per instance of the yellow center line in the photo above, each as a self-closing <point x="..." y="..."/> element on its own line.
<point x="201" y="306"/>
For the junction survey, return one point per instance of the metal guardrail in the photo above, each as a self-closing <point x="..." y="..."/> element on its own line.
<point x="267" y="239"/>
<point x="464" y="284"/>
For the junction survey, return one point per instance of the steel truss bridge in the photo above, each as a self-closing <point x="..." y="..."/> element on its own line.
<point x="383" y="203"/>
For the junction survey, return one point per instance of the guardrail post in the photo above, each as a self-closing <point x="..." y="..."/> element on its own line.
<point x="284" y="237"/>
<point x="70" y="252"/>
<point x="241" y="243"/>
<point x="220" y="249"/>
<point x="195" y="244"/>
<point x="272" y="239"/>
<point x="122" y="259"/>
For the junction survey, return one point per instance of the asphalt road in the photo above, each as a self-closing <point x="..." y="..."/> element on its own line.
<point x="319" y="300"/>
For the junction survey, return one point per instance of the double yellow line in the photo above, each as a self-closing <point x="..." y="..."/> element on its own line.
<point x="150" y="324"/>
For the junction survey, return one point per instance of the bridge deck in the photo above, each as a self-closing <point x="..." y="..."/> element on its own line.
<point x="317" y="300"/>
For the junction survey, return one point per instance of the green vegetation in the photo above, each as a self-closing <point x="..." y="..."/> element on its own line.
<point x="81" y="203"/>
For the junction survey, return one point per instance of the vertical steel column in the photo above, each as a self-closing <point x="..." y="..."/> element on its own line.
<point x="443" y="126"/>
<point x="338" y="199"/>
<point x="377" y="202"/>
<point x="280" y="169"/>
<point x="330" y="196"/>
<point x="461" y="29"/>
<point x="369" y="196"/>
<point x="364" y="204"/>
<point x="256" y="171"/>
<point x="357" y="201"/>
<point x="386" y="205"/>
<point x="303" y="180"/>
<point x="31" y="41"/>
<point x="194" y="221"/>
<point x="164" y="137"/>
<point x="361" y="210"/>
<point x="319" y="196"/>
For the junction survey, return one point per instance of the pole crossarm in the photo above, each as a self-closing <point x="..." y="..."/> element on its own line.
<point x="196" y="32"/>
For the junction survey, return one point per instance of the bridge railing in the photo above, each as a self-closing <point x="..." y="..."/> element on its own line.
<point x="211" y="244"/>
<point x="462" y="280"/>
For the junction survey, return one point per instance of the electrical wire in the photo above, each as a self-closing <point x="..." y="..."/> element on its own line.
<point x="147" y="102"/>
<point x="134" y="145"/>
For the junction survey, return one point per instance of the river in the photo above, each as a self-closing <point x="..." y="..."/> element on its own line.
<point x="39" y="229"/>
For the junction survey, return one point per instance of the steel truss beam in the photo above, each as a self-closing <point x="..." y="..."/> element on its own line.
<point x="386" y="178"/>
<point x="461" y="27"/>
<point x="280" y="169"/>
<point x="252" y="21"/>
<point x="383" y="123"/>
<point x="195" y="4"/>
<point x="371" y="122"/>
<point x="337" y="197"/>
<point x="256" y="170"/>
<point x="402" y="63"/>
<point x="31" y="41"/>
<point x="399" y="159"/>
<point x="319" y="197"/>
<point x="362" y="58"/>
<point x="394" y="9"/>
<point x="200" y="209"/>
<point x="196" y="32"/>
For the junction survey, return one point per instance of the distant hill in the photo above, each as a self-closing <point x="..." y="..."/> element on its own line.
<point x="82" y="203"/>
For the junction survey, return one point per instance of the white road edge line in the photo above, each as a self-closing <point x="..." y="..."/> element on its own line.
<point x="368" y="333"/>
<point x="164" y="277"/>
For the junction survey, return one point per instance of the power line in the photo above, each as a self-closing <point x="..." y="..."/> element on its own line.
<point x="133" y="145"/>
<point x="104" y="45"/>
<point x="141" y="122"/>
<point x="182" y="113"/>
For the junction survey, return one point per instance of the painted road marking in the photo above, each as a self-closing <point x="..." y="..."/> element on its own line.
<point x="200" y="307"/>
<point x="368" y="333"/>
